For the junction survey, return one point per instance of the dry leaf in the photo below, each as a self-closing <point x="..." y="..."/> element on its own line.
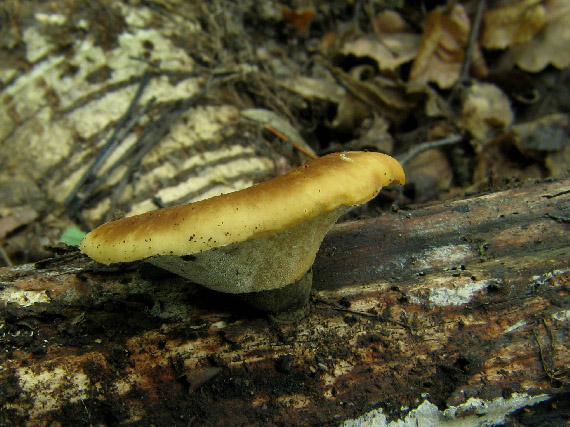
<point x="312" y="88"/>
<point x="511" y="24"/>
<point x="548" y="134"/>
<point x="300" y="19"/>
<point x="558" y="163"/>
<point x="517" y="84"/>
<point x="375" y="136"/>
<point x="430" y="174"/>
<point x="350" y="114"/>
<point x="434" y="104"/>
<point x="390" y="22"/>
<point x="442" y="48"/>
<point x="551" y="45"/>
<point x="496" y="164"/>
<point x="486" y="111"/>
<point x="279" y="124"/>
<point x="197" y="377"/>
<point x="393" y="44"/>
<point x="13" y="218"/>
<point x="385" y="96"/>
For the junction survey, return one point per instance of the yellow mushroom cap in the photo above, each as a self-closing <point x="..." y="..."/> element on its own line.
<point x="316" y="188"/>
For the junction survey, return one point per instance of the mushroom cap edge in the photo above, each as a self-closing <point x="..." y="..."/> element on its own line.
<point x="319" y="186"/>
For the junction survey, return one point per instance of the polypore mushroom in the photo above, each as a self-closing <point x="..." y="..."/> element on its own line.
<point x="262" y="238"/>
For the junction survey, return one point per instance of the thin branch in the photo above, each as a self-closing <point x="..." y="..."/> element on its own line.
<point x="152" y="135"/>
<point x="423" y="146"/>
<point x="473" y="34"/>
<point x="90" y="190"/>
<point x="108" y="148"/>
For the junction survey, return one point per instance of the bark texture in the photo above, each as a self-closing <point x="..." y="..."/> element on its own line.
<point x="463" y="304"/>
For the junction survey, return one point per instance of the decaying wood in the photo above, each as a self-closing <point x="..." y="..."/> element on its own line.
<point x="462" y="304"/>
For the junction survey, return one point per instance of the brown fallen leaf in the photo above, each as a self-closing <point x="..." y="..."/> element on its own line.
<point x="430" y="174"/>
<point x="557" y="163"/>
<point x="442" y="48"/>
<point x="513" y="23"/>
<point x="278" y="125"/>
<point x="12" y="218"/>
<point x="500" y="162"/>
<point x="517" y="84"/>
<point x="434" y="104"/>
<point x="486" y="111"/>
<point x="551" y="45"/>
<point x="197" y="377"/>
<point x="374" y="135"/>
<point x="300" y="19"/>
<point x="393" y="44"/>
<point x="350" y="114"/>
<point x="314" y="88"/>
<point x="545" y="136"/>
<point x="385" y="96"/>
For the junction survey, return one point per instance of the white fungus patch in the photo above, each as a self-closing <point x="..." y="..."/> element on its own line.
<point x="562" y="316"/>
<point x="474" y="412"/>
<point x="17" y="296"/>
<point x="445" y="256"/>
<point x="70" y="386"/>
<point x="461" y="293"/>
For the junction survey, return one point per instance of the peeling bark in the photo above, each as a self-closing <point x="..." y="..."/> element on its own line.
<point x="458" y="300"/>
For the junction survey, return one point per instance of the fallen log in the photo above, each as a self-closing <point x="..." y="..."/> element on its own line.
<point x="458" y="310"/>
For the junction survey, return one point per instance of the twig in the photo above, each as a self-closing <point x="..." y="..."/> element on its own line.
<point x="299" y="146"/>
<point x="423" y="146"/>
<point x="374" y="317"/>
<point x="473" y="34"/>
<point x="91" y="188"/>
<point x="468" y="56"/>
<point x="152" y="135"/>
<point x="5" y="257"/>
<point x="110" y="145"/>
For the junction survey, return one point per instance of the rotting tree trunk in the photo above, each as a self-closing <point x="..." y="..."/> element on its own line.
<point x="464" y="304"/>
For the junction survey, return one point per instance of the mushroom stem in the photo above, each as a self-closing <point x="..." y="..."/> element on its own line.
<point x="284" y="305"/>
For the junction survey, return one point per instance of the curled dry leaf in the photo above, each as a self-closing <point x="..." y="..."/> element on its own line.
<point x="430" y="174"/>
<point x="550" y="45"/>
<point x="542" y="137"/>
<point x="557" y="163"/>
<point x="350" y="114"/>
<point x="499" y="162"/>
<point x="393" y="44"/>
<point x="513" y="23"/>
<point x="376" y="136"/>
<point x="442" y="48"/>
<point x="300" y="19"/>
<point x="434" y="105"/>
<point x="517" y="84"/>
<point x="12" y="218"/>
<point x="311" y="88"/>
<point x="384" y="96"/>
<point x="486" y="111"/>
<point x="280" y="125"/>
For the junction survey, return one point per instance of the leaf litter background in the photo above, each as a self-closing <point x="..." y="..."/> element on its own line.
<point x="111" y="108"/>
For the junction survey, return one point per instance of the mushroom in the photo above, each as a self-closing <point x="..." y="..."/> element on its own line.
<point x="260" y="241"/>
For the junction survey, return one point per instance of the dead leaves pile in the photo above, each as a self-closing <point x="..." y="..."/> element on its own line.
<point x="536" y="33"/>
<point x="404" y="70"/>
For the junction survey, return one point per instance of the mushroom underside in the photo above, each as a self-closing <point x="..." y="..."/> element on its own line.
<point x="255" y="265"/>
